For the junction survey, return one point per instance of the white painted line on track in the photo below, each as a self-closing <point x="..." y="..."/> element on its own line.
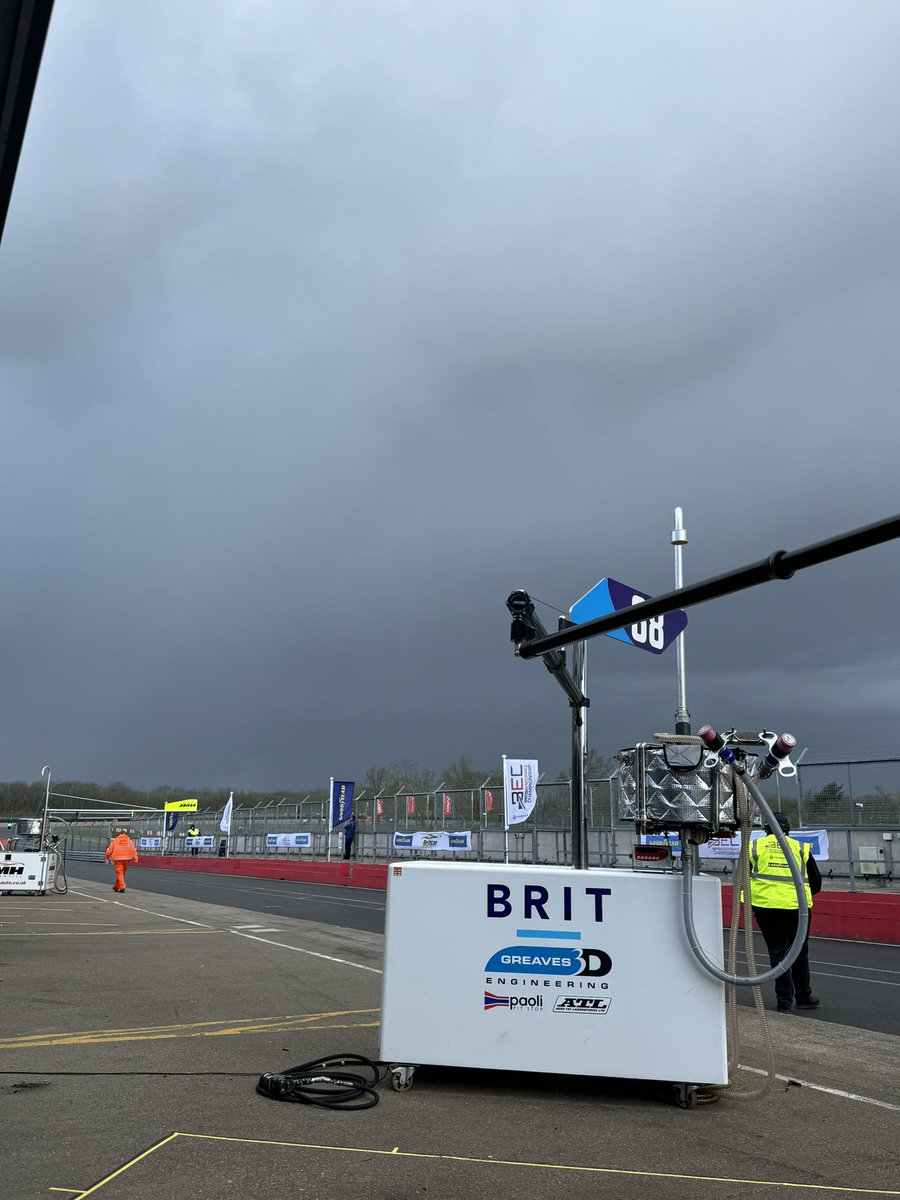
<point x="299" y="950"/>
<point x="849" y="967"/>
<point x="813" y="962"/>
<point x="149" y="911"/>
<point x="165" y="916"/>
<point x="818" y="1087"/>
<point x="856" y="978"/>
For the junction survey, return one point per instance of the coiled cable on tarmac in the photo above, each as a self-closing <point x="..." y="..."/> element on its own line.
<point x="319" y="1082"/>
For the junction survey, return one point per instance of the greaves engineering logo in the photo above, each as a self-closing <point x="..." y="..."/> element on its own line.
<point x="562" y="966"/>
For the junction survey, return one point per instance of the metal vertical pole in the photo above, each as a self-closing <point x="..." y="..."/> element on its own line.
<point x="505" y="816"/>
<point x="44" y="830"/>
<point x="579" y="755"/>
<point x="482" y="804"/>
<point x="679" y="540"/>
<point x="800" y="788"/>
<point x="378" y="796"/>
<point x="330" y="814"/>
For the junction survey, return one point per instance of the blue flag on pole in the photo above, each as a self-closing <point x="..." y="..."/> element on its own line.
<point x="341" y="804"/>
<point x="171" y="821"/>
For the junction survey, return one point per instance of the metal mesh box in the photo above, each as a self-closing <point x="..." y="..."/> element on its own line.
<point x="674" y="784"/>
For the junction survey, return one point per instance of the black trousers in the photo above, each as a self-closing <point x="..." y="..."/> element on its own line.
<point x="778" y="926"/>
<point x="348" y="847"/>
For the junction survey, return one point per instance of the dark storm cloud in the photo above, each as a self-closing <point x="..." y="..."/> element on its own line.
<point x="324" y="326"/>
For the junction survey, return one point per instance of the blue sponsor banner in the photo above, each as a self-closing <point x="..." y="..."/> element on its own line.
<point x="288" y="841"/>
<point x="341" y="801"/>
<point x="440" y="839"/>
<point x="171" y="821"/>
<point x="817" y="839"/>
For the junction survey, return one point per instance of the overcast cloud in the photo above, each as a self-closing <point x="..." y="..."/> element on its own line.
<point x="325" y="325"/>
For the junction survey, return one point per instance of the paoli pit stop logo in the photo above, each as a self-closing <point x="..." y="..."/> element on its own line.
<point x="512" y="1003"/>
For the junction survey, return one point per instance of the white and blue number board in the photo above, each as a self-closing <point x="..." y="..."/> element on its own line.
<point x="609" y="596"/>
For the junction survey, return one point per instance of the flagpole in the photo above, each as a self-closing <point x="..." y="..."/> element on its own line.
<point x="505" y="815"/>
<point x="439" y="788"/>
<point x="482" y="804"/>
<point x="330" y="814"/>
<point x="229" y="809"/>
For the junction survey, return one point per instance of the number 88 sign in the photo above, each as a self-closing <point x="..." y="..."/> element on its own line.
<point x="609" y="596"/>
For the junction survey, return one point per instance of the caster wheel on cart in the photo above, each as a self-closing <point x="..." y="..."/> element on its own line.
<point x="686" y="1095"/>
<point x="401" y="1078"/>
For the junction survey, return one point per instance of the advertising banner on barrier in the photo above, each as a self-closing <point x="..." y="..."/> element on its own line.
<point x="200" y="843"/>
<point x="288" y="841"/>
<point x="730" y="847"/>
<point x="520" y="777"/>
<point x="439" y="840"/>
<point x="149" y="843"/>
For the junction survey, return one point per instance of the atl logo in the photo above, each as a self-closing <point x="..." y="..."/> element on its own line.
<point x="583" y="1004"/>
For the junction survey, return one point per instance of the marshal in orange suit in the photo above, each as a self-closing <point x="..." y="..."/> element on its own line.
<point x="122" y="852"/>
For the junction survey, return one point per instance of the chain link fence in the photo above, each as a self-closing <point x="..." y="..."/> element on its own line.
<point x="856" y="802"/>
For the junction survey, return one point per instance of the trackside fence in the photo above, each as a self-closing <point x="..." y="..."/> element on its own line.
<point x="856" y="803"/>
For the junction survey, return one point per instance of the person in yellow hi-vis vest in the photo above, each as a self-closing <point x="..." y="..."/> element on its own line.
<point x="774" y="899"/>
<point x="122" y="852"/>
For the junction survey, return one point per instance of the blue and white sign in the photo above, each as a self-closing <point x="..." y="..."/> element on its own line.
<point x="441" y="839"/>
<point x="609" y="596"/>
<point x="816" y="838"/>
<point x="731" y="847"/>
<point x="340" y="802"/>
<point x="289" y="841"/>
<point x="150" y="843"/>
<point x="200" y="843"/>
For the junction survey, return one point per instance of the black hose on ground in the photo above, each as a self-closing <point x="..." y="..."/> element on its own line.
<point x="318" y="1082"/>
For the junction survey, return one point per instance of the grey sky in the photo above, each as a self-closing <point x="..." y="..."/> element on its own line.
<point x="324" y="325"/>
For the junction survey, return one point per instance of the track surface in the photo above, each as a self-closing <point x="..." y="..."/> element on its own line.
<point x="857" y="982"/>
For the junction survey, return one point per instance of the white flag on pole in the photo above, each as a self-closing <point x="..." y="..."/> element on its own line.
<point x="520" y="776"/>
<point x="225" y="824"/>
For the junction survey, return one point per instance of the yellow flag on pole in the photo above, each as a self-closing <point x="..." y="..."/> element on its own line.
<point x="181" y="806"/>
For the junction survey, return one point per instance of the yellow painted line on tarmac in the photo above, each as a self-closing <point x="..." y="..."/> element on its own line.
<point x="563" y="1168"/>
<point x="149" y="1033"/>
<point x="71" y="1191"/>
<point x="126" y="1166"/>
